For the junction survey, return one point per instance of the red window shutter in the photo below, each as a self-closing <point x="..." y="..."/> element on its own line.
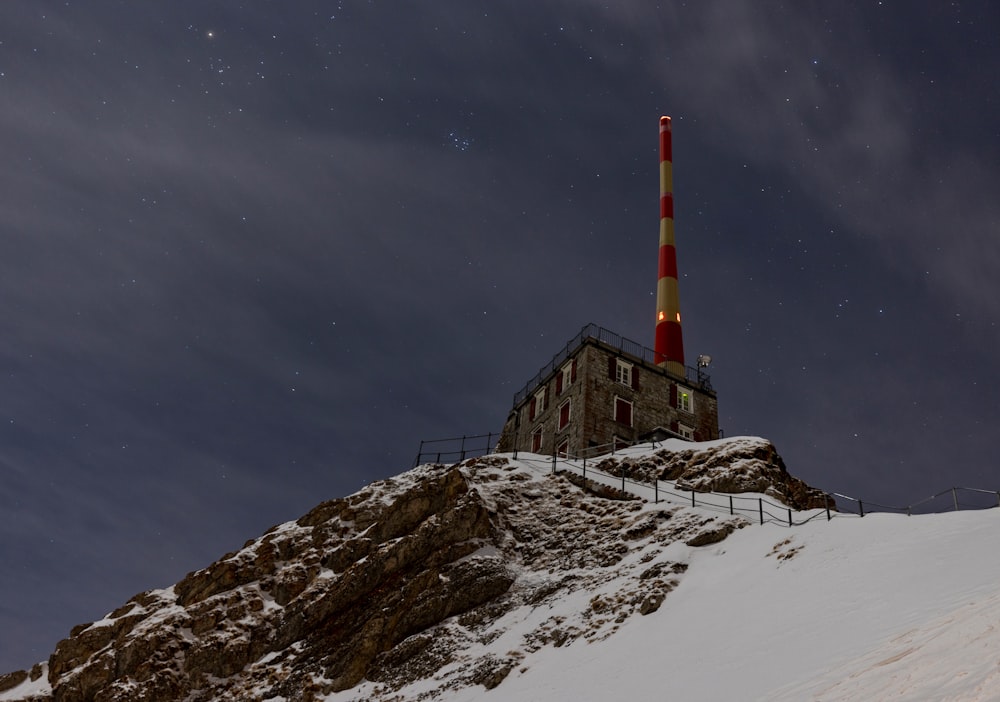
<point x="531" y="410"/>
<point x="559" y="383"/>
<point x="572" y="372"/>
<point x="623" y="411"/>
<point x="635" y="377"/>
<point x="612" y="364"/>
<point x="674" y="426"/>
<point x="673" y="395"/>
<point x="564" y="415"/>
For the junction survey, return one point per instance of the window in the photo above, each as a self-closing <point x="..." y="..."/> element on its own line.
<point x="537" y="404"/>
<point x="564" y="415"/>
<point x="623" y="372"/>
<point x="685" y="400"/>
<point x="686" y="431"/>
<point x="623" y="411"/>
<point x="566" y="376"/>
<point x="536" y="441"/>
<point x="563" y="450"/>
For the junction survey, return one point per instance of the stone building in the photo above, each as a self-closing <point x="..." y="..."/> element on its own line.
<point x="602" y="391"/>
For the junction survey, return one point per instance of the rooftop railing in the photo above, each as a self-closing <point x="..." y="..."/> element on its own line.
<point x="695" y="376"/>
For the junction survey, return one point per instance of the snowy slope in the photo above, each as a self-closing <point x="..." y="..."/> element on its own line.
<point x="880" y="607"/>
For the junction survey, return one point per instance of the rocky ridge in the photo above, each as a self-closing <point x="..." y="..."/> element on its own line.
<point x="443" y="577"/>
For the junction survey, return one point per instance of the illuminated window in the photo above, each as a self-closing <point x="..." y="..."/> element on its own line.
<point x="623" y="411"/>
<point x="623" y="372"/>
<point x="564" y="415"/>
<point x="685" y="400"/>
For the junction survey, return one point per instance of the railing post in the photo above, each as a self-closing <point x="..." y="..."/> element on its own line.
<point x="760" y="507"/>
<point x="826" y="498"/>
<point x="463" y="448"/>
<point x="861" y="507"/>
<point x="656" y="491"/>
<point x="789" y="516"/>
<point x="623" y="479"/>
<point x="730" y="505"/>
<point x="954" y="496"/>
<point x="692" y="498"/>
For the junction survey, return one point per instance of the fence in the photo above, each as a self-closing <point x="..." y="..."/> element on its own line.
<point x="759" y="509"/>
<point x="972" y="498"/>
<point x="615" y="341"/>
<point x="456" y="449"/>
<point x="459" y="448"/>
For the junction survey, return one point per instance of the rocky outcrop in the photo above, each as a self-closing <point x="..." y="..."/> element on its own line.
<point x="326" y="595"/>
<point x="410" y="581"/>
<point x="738" y="465"/>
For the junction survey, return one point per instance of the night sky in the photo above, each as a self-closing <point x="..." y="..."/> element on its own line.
<point x="252" y="253"/>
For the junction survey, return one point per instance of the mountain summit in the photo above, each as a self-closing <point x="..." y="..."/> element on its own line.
<point x="447" y="581"/>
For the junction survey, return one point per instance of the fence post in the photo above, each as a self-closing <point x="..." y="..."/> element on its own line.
<point x="954" y="496"/>
<point x="826" y="498"/>
<point x="463" y="448"/>
<point x="623" y="478"/>
<point x="656" y="491"/>
<point x="760" y="506"/>
<point x="861" y="507"/>
<point x="789" y="516"/>
<point x="730" y="505"/>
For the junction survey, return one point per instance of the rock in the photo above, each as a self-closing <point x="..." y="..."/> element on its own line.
<point x="711" y="536"/>
<point x="12" y="680"/>
<point x="404" y="581"/>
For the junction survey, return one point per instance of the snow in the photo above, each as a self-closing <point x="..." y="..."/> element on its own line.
<point x="881" y="607"/>
<point x="884" y="606"/>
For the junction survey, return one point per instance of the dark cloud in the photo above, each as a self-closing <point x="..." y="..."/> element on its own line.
<point x="251" y="256"/>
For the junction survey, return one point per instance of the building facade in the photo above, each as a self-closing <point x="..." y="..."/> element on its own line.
<point x="603" y="391"/>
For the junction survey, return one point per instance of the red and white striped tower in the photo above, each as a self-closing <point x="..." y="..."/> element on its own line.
<point x="668" y="350"/>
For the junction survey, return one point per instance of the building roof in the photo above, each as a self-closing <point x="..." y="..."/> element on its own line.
<point x="594" y="334"/>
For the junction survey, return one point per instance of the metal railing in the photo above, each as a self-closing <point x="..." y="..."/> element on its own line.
<point x="459" y="448"/>
<point x="696" y="376"/>
<point x="455" y="449"/>
<point x="756" y="508"/>
<point x="983" y="499"/>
